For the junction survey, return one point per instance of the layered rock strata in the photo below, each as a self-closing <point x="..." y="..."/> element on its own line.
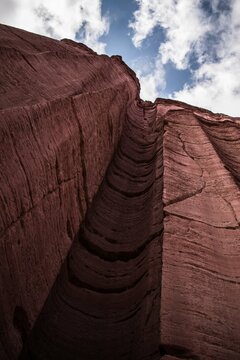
<point x="201" y="273"/>
<point x="123" y="214"/>
<point x="106" y="297"/>
<point x="62" y="109"/>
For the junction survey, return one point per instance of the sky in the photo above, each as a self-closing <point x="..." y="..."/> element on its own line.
<point x="187" y="50"/>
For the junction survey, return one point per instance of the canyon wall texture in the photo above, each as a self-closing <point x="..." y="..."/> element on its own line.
<point x="119" y="218"/>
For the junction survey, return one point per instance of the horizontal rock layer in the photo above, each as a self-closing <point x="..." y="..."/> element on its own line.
<point x="133" y="206"/>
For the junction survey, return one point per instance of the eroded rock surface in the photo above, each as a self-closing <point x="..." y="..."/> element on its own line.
<point x="133" y="206"/>
<point x="201" y="273"/>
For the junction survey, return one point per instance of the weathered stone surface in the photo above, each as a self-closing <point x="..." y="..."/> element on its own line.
<point x="106" y="297"/>
<point x="57" y="139"/>
<point x="201" y="246"/>
<point x="135" y="206"/>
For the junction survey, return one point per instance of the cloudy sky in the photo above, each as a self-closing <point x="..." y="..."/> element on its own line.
<point x="182" y="49"/>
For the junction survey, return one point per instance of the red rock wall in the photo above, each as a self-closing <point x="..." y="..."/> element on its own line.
<point x="79" y="150"/>
<point x="57" y="139"/>
<point x="105" y="302"/>
<point x="200" y="314"/>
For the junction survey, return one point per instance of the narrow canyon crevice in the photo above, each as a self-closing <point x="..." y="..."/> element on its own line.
<point x="105" y="301"/>
<point x="119" y="218"/>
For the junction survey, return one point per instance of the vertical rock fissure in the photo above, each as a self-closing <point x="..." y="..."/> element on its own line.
<point x="105" y="301"/>
<point x="82" y="148"/>
<point x="122" y="288"/>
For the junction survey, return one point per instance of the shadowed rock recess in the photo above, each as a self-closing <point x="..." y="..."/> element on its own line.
<point x="119" y="218"/>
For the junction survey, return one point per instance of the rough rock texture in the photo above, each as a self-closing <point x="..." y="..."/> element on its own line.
<point x="107" y="294"/>
<point x="201" y="247"/>
<point x="62" y="111"/>
<point x="133" y="206"/>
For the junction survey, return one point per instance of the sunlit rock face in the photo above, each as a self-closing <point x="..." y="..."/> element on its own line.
<point x="119" y="226"/>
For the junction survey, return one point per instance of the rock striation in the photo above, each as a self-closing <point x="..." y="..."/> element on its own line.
<point x="200" y="272"/>
<point x="119" y="218"/>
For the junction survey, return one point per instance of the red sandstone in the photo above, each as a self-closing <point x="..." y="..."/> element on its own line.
<point x="119" y="219"/>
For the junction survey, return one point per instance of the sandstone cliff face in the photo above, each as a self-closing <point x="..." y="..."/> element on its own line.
<point x="133" y="206"/>
<point x="200" y="272"/>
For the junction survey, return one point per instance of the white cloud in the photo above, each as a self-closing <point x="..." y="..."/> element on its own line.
<point x="59" y="19"/>
<point x="216" y="87"/>
<point x="212" y="38"/>
<point x="184" y="24"/>
<point x="153" y="81"/>
<point x="216" y="84"/>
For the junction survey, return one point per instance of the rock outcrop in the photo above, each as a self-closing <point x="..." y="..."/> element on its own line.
<point x="119" y="218"/>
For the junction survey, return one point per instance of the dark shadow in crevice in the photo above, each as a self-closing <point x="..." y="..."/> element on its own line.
<point x="21" y="322"/>
<point x="177" y="351"/>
